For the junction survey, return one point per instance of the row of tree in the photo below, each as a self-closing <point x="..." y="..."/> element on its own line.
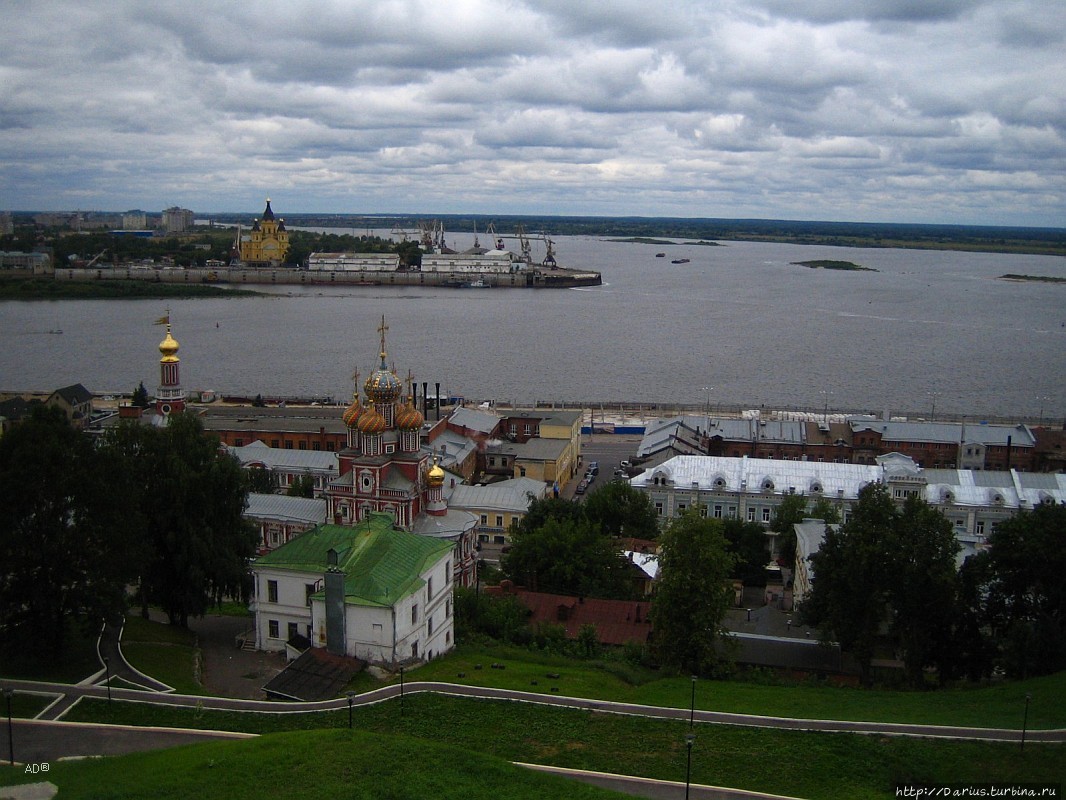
<point x="81" y="519"/>
<point x="886" y="582"/>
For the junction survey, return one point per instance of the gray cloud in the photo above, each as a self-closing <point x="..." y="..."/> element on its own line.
<point x="939" y="110"/>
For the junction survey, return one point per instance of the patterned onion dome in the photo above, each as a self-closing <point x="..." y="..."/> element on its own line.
<point x="353" y="412"/>
<point x="409" y="418"/>
<point x="371" y="421"/>
<point x="383" y="386"/>
<point x="169" y="347"/>
<point x="435" y="475"/>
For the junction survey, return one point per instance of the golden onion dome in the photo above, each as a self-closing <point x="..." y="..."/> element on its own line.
<point x="371" y="421"/>
<point x="435" y="475"/>
<point x="353" y="412"/>
<point x="169" y="348"/>
<point x="409" y="418"/>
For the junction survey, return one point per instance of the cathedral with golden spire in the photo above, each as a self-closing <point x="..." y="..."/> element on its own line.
<point x="384" y="467"/>
<point x="268" y="241"/>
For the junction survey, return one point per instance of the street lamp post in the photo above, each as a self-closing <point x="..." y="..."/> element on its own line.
<point x="692" y="706"/>
<point x="350" y="696"/>
<point x="107" y="668"/>
<point x="8" y="693"/>
<point x="1025" y="718"/>
<point x="690" y="739"/>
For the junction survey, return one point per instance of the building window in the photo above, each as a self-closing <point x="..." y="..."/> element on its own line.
<point x="239" y="443"/>
<point x="528" y="429"/>
<point x="309" y="589"/>
<point x="414" y="649"/>
<point x="447" y="608"/>
<point x="273" y="442"/>
<point x="498" y="540"/>
<point x="484" y="519"/>
<point x="980" y="529"/>
<point x="766" y="515"/>
<point x="659" y="507"/>
<point x="316" y="446"/>
<point x="717" y="512"/>
<point x="303" y="445"/>
<point x="273" y="629"/>
<point x="288" y="445"/>
<point x="329" y="446"/>
<point x="482" y="537"/>
<point x="499" y="520"/>
<point x="414" y="614"/>
<point x="429" y="626"/>
<point x="521" y="472"/>
<point x="681" y="509"/>
<point x="272" y="591"/>
<point x="294" y="630"/>
<point x="751" y="515"/>
<point x="429" y="587"/>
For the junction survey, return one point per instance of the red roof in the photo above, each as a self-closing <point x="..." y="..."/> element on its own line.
<point x="616" y="621"/>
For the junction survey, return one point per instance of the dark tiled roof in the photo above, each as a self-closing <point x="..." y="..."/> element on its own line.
<point x="315" y="675"/>
<point x="75" y="394"/>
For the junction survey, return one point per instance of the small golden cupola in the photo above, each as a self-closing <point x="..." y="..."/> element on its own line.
<point x="169" y="348"/>
<point x="435" y="476"/>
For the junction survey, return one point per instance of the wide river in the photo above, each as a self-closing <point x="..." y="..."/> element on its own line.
<point x="740" y="324"/>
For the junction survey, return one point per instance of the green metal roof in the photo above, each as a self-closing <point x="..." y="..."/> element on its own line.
<point x="381" y="564"/>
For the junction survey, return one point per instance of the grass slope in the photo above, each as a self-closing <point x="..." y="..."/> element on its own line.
<point x="804" y="764"/>
<point x="340" y="764"/>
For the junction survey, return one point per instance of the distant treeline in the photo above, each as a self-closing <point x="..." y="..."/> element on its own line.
<point x="1049" y="241"/>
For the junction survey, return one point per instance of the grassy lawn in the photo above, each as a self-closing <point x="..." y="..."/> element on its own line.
<point x="164" y="652"/>
<point x="25" y="706"/>
<point x="351" y="764"/>
<point x="1000" y="705"/>
<point x="812" y="765"/>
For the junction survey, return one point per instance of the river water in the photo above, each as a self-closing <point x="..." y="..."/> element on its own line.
<point x="740" y="324"/>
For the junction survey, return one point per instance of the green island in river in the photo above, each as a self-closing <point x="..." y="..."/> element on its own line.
<point x="830" y="264"/>
<point x="1034" y="278"/>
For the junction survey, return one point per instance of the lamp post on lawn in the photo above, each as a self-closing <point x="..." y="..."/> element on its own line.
<point x="690" y="739"/>
<point x="107" y="668"/>
<point x="692" y="705"/>
<point x="350" y="696"/>
<point x="1025" y="718"/>
<point x="8" y="693"/>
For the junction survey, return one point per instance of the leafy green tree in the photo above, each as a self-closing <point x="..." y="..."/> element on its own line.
<point x="621" y="510"/>
<point x="824" y="509"/>
<point x="303" y="486"/>
<point x="849" y="597"/>
<point x="747" y="542"/>
<point x="568" y="556"/>
<point x="692" y="593"/>
<point x="66" y="544"/>
<point x="791" y="511"/>
<point x="922" y="586"/>
<point x="1027" y="594"/>
<point x="190" y="499"/>
<point x="259" y="480"/>
<point x="542" y="509"/>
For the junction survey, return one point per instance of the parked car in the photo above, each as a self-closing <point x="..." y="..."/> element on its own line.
<point x="594" y="468"/>
<point x="581" y="487"/>
<point x="625" y="465"/>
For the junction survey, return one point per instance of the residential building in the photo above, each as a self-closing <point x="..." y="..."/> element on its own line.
<point x="498" y="507"/>
<point x="75" y="401"/>
<point x="975" y="501"/>
<point x="371" y="592"/>
<point x="177" y="220"/>
<point x="286" y="466"/>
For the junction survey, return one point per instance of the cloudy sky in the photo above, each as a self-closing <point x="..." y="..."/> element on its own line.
<point x="876" y="110"/>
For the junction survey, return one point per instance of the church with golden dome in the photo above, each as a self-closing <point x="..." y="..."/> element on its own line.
<point x="170" y="396"/>
<point x="384" y="468"/>
<point x="267" y="243"/>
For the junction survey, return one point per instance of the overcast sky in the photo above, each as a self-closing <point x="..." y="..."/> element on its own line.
<point x="885" y="110"/>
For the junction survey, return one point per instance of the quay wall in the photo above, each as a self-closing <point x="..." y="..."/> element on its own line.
<point x="537" y="278"/>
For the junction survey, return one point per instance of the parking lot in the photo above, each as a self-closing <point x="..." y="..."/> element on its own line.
<point x="609" y="450"/>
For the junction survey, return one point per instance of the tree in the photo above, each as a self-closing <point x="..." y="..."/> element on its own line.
<point x="66" y="543"/>
<point x="259" y="480"/>
<point x="303" y="486"/>
<point x="568" y="556"/>
<point x="140" y="396"/>
<point x="190" y="500"/>
<point x="791" y="511"/>
<point x="922" y="586"/>
<point x="747" y="542"/>
<point x="620" y="510"/>
<point x="849" y="597"/>
<point x="692" y="592"/>
<point x="1027" y="595"/>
